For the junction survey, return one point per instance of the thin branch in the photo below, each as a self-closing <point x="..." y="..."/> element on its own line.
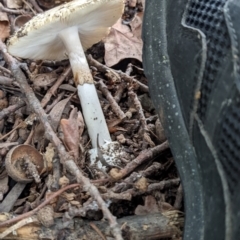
<point x="5" y="70"/>
<point x="115" y="107"/>
<point x="36" y="6"/>
<point x="141" y="158"/>
<point x="124" y="76"/>
<point x="54" y="88"/>
<point x="31" y="213"/>
<point x="11" y="109"/>
<point x="11" y="11"/>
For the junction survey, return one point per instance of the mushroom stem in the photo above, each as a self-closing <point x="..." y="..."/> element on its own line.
<point x="87" y="93"/>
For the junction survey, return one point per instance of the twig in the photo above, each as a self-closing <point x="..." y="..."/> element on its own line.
<point x="11" y="109"/>
<point x="137" y="175"/>
<point x="117" y="196"/>
<point x="5" y="70"/>
<point x="179" y="198"/>
<point x="138" y="106"/>
<point x="115" y="107"/>
<point x="18" y="225"/>
<point x="163" y="184"/>
<point x="142" y="157"/>
<point x="6" y="81"/>
<point x="154" y="187"/>
<point x="55" y="101"/>
<point x="34" y="12"/>
<point x="98" y="231"/>
<point x="7" y="10"/>
<point x="54" y="88"/>
<point x="168" y="225"/>
<point x="65" y="157"/>
<point x="119" y="92"/>
<point x="124" y="76"/>
<point x="35" y="5"/>
<point x="21" y="124"/>
<point x="48" y="200"/>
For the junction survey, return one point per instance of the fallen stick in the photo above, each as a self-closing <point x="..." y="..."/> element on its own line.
<point x="144" y="156"/>
<point x="152" y="226"/>
<point x="124" y="76"/>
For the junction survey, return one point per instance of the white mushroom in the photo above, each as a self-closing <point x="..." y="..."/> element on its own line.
<point x="65" y="32"/>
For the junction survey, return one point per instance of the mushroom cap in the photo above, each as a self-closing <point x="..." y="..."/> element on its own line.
<point x="38" y="39"/>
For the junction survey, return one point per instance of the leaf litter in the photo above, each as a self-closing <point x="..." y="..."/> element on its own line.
<point x="146" y="185"/>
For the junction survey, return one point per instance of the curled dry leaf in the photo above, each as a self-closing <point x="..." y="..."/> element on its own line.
<point x="56" y="112"/>
<point x="72" y="130"/>
<point x="150" y="206"/>
<point x="123" y="42"/>
<point x="4" y="26"/>
<point x="45" y="79"/>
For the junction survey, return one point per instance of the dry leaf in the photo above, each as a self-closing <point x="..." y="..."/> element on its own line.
<point x="4" y="26"/>
<point x="165" y="207"/>
<point x="150" y="206"/>
<point x="56" y="113"/>
<point x="45" y="79"/>
<point x="123" y="42"/>
<point x="71" y="135"/>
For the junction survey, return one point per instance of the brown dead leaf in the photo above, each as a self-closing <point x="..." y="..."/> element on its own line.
<point x="56" y="112"/>
<point x="45" y="79"/>
<point x="14" y="4"/>
<point x="4" y="26"/>
<point x="71" y="132"/>
<point x="123" y="42"/>
<point x="150" y="206"/>
<point x="165" y="207"/>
